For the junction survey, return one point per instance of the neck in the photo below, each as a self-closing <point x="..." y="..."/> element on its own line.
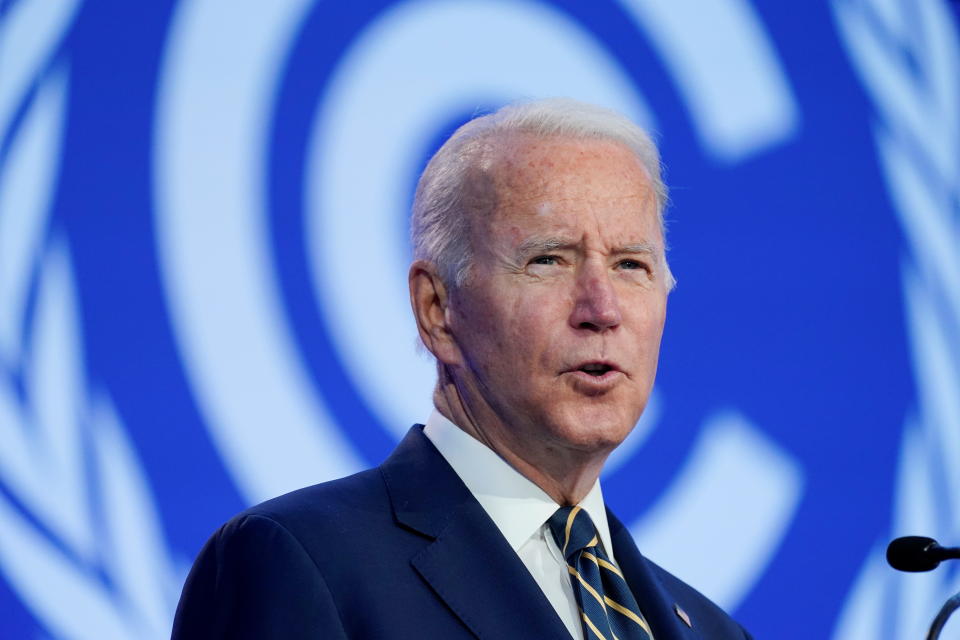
<point x="566" y="475"/>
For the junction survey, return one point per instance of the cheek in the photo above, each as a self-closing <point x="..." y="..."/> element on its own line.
<point x="527" y="335"/>
<point x="651" y="329"/>
<point x="495" y="328"/>
<point x="520" y="332"/>
<point x="513" y="327"/>
<point x="541" y="312"/>
<point x="646" y="316"/>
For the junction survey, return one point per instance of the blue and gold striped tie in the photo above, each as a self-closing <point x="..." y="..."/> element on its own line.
<point x="608" y="609"/>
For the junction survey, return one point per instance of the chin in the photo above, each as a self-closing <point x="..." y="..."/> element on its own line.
<point x="594" y="428"/>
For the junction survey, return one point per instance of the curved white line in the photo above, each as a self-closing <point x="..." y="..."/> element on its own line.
<point x="257" y="398"/>
<point x="722" y="519"/>
<point x="727" y="70"/>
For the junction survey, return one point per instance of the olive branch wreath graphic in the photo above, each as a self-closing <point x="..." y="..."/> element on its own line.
<point x="908" y="57"/>
<point x="80" y="537"/>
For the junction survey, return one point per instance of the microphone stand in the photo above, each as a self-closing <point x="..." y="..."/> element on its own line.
<point x="948" y="608"/>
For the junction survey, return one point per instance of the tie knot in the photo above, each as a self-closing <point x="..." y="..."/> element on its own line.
<point x="573" y="530"/>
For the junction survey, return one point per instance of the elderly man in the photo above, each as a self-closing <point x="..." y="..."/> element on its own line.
<point x="540" y="286"/>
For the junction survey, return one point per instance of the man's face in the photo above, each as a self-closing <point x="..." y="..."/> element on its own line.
<point x="559" y="322"/>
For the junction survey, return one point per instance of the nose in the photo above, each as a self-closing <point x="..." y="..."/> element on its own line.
<point x="596" y="305"/>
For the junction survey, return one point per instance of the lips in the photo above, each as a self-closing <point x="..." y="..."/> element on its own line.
<point x="594" y="377"/>
<point x="595" y="368"/>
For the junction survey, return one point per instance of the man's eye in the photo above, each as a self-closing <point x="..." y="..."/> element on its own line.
<point x="548" y="260"/>
<point x="636" y="265"/>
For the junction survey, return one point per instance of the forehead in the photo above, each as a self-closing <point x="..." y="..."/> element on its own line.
<point x="564" y="182"/>
<point x="524" y="161"/>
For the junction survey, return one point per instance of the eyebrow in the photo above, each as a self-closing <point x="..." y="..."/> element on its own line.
<point x="638" y="247"/>
<point x="532" y="245"/>
<point x="536" y="245"/>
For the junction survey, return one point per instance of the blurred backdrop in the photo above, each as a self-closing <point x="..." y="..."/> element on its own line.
<point x="203" y="251"/>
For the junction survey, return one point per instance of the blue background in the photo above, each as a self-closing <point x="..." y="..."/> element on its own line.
<point x="790" y="308"/>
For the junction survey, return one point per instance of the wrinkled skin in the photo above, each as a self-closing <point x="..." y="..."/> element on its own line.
<point x="568" y="270"/>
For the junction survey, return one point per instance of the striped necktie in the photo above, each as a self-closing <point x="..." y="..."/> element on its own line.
<point x="608" y="610"/>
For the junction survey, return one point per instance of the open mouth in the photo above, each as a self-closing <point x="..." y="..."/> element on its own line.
<point x="595" y="369"/>
<point x="595" y="378"/>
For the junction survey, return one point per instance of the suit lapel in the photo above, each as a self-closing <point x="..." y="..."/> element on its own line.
<point x="469" y="564"/>
<point x="656" y="603"/>
<point x="476" y="572"/>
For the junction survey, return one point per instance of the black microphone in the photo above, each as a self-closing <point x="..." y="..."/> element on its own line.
<point x="917" y="553"/>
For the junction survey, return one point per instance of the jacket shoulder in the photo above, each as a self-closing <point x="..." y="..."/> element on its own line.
<point x="361" y="496"/>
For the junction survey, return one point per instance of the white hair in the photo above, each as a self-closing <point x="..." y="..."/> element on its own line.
<point x="440" y="221"/>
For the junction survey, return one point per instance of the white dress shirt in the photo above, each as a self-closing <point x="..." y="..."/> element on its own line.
<point x="520" y="509"/>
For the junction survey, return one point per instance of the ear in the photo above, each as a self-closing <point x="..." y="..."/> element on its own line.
<point x="429" y="299"/>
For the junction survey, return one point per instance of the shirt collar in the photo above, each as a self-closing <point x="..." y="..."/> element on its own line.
<point x="515" y="504"/>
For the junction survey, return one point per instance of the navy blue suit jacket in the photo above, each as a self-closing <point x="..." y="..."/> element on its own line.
<point x="400" y="551"/>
